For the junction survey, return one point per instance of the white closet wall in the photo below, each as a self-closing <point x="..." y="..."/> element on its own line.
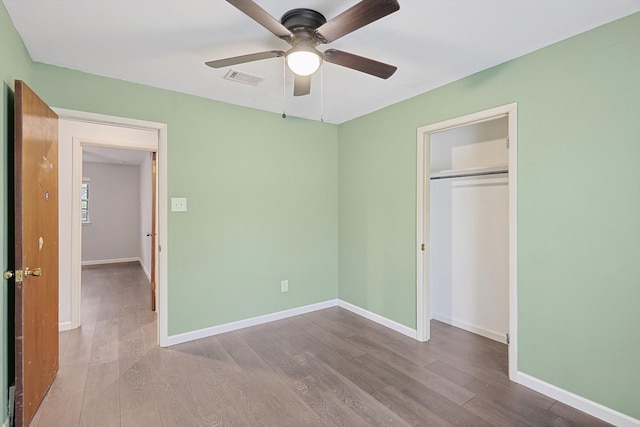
<point x="469" y="225"/>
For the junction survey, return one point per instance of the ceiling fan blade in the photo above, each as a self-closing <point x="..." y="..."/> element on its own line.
<point x="359" y="63"/>
<point x="363" y="13"/>
<point x="220" y="63"/>
<point x="258" y="14"/>
<point x="302" y="85"/>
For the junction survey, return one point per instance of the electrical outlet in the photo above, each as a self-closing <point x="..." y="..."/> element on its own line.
<point x="284" y="286"/>
<point x="178" y="204"/>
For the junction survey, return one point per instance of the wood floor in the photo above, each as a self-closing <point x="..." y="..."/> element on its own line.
<point x="327" y="368"/>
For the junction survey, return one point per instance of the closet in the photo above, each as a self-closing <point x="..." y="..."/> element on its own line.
<point x="469" y="227"/>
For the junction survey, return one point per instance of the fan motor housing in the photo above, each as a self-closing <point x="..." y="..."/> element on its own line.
<point x="303" y="21"/>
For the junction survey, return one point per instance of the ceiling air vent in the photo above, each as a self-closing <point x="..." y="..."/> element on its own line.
<point x="248" y="79"/>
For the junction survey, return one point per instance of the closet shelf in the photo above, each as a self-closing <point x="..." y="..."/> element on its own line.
<point x="478" y="171"/>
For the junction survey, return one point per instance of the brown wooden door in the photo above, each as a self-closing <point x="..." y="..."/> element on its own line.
<point x="36" y="250"/>
<point x="153" y="230"/>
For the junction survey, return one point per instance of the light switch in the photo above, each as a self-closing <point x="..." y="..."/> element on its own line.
<point x="178" y="204"/>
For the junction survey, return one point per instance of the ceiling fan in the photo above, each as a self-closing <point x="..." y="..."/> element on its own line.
<point x="304" y="29"/>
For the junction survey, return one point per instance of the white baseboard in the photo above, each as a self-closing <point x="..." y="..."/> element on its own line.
<point x="585" y="405"/>
<point x="146" y="271"/>
<point x="112" y="261"/>
<point x="241" y="324"/>
<point x="493" y="335"/>
<point x="65" y="326"/>
<point x="259" y="320"/>
<point x="119" y="260"/>
<point x="391" y="324"/>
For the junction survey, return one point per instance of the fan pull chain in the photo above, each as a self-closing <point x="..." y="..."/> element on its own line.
<point x="284" y="87"/>
<point x="322" y="94"/>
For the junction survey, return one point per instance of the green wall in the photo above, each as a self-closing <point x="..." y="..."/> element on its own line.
<point x="578" y="207"/>
<point x="262" y="198"/>
<point x="15" y="63"/>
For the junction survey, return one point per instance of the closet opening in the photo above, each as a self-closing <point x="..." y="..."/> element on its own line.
<point x="466" y="218"/>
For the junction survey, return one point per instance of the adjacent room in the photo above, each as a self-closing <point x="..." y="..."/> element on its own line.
<point x="435" y="224"/>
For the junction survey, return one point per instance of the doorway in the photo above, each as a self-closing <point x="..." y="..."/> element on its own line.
<point x="116" y="206"/>
<point x="79" y="129"/>
<point x="496" y="174"/>
<point x="118" y="222"/>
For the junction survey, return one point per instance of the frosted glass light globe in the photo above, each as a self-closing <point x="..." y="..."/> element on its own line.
<point x="303" y="62"/>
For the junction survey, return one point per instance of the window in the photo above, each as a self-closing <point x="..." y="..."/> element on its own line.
<point x="84" y="197"/>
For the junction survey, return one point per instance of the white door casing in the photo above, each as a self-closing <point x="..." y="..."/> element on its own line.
<point x="422" y="218"/>
<point x="73" y="159"/>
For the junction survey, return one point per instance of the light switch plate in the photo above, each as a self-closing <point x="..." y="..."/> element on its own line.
<point x="178" y="204"/>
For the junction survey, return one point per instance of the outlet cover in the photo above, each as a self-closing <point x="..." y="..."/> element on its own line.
<point x="178" y="204"/>
<point x="284" y="286"/>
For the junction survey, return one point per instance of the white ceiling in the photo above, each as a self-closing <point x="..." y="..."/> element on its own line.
<point x="164" y="43"/>
<point x="120" y="156"/>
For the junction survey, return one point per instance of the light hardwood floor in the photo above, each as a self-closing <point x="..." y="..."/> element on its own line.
<point x="327" y="368"/>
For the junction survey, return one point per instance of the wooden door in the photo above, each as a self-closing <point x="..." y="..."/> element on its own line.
<point x="153" y="230"/>
<point x="36" y="250"/>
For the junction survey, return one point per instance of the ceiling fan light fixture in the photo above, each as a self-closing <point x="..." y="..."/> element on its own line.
<point x="303" y="60"/>
<point x="304" y="29"/>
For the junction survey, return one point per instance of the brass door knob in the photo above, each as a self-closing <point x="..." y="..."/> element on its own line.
<point x="7" y="275"/>
<point x="35" y="272"/>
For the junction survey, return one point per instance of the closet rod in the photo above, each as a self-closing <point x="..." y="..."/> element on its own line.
<point x="464" y="175"/>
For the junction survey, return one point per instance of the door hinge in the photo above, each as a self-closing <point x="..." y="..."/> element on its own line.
<point x="159" y="248"/>
<point x="508" y="339"/>
<point x="422" y="247"/>
<point x="507" y="143"/>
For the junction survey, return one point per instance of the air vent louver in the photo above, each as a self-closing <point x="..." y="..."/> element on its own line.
<point x="248" y="79"/>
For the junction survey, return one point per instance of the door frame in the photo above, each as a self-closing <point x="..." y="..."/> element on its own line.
<point x="161" y="205"/>
<point x="423" y="296"/>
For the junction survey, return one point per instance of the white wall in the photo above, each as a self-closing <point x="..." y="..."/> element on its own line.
<point x="469" y="231"/>
<point x="145" y="214"/>
<point x="114" y="213"/>
<point x="68" y="130"/>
